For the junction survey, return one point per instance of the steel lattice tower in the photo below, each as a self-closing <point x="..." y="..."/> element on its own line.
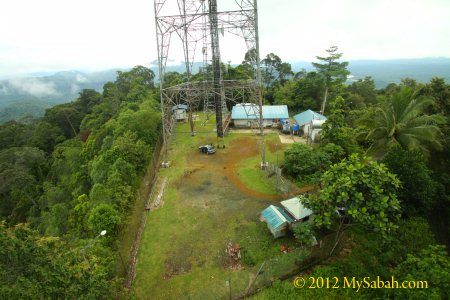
<point x="197" y="24"/>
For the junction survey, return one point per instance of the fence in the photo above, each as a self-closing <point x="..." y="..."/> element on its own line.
<point x="139" y="215"/>
<point x="281" y="184"/>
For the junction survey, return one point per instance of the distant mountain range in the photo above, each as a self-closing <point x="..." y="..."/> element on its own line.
<point x="31" y="95"/>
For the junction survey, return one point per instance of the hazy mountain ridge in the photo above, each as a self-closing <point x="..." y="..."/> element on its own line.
<point x="30" y="96"/>
<point x="60" y="87"/>
<point x="33" y="94"/>
<point x="20" y="109"/>
<point x="392" y="71"/>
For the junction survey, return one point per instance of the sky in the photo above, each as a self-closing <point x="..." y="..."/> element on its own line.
<point x="53" y="35"/>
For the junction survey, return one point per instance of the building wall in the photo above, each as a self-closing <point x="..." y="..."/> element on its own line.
<point x="278" y="232"/>
<point x="315" y="135"/>
<point x="248" y="123"/>
<point x="180" y="114"/>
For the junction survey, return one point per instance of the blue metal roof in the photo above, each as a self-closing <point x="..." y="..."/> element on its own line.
<point x="307" y="116"/>
<point x="273" y="219"/>
<point x="251" y="111"/>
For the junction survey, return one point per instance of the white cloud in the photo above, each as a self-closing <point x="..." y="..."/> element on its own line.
<point x="3" y="90"/>
<point x="80" y="78"/>
<point x="33" y="86"/>
<point x="74" y="88"/>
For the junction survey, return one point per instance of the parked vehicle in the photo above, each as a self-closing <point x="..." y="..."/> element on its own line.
<point x="207" y="149"/>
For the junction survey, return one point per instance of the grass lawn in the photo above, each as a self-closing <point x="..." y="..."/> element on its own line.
<point x="209" y="200"/>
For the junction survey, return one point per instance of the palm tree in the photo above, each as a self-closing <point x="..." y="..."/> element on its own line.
<point x="402" y="121"/>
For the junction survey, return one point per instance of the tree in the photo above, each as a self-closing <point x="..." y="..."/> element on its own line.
<point x="304" y="233"/>
<point x="46" y="136"/>
<point x="273" y="73"/>
<point x="300" y="94"/>
<point x="21" y="173"/>
<point x="418" y="190"/>
<point x="66" y="117"/>
<point x="336" y="131"/>
<point x="431" y="265"/>
<point x="332" y="71"/>
<point x="78" y="219"/>
<point x="13" y="134"/>
<point x="132" y="150"/>
<point x="250" y="57"/>
<point x="241" y="72"/>
<point x="42" y="267"/>
<point x="141" y="74"/>
<point x="87" y="99"/>
<point x="274" y="70"/>
<point x="441" y="93"/>
<point x="363" y="190"/>
<point x="271" y="63"/>
<point x="104" y="217"/>
<point x="284" y="72"/>
<point x="364" y="88"/>
<point x="409" y="82"/>
<point x="402" y="121"/>
<point x="308" y="165"/>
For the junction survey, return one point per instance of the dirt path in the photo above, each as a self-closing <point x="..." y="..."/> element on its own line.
<point x="239" y="150"/>
<point x="227" y="162"/>
<point x="288" y="139"/>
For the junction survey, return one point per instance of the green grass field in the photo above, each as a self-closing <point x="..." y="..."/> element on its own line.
<point x="209" y="200"/>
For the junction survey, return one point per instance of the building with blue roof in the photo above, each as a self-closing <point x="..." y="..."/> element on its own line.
<point x="310" y="123"/>
<point x="277" y="220"/>
<point x="247" y="114"/>
<point x="307" y="116"/>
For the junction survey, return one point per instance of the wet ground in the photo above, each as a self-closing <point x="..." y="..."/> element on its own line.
<point x="212" y="173"/>
<point x="205" y="207"/>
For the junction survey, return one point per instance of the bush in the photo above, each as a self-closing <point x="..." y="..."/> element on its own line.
<point x="104" y="217"/>
<point x="418" y="190"/>
<point x="307" y="165"/>
<point x="304" y="233"/>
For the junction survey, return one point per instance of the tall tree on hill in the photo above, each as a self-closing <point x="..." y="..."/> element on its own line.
<point x="274" y="72"/>
<point x="332" y="71"/>
<point x="270" y="65"/>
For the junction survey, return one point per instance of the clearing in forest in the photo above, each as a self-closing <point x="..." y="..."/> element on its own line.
<point x="210" y="200"/>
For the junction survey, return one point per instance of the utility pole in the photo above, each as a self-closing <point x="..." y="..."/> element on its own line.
<point x="102" y="233"/>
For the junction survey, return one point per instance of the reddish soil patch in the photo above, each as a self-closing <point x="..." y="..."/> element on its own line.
<point x="239" y="150"/>
<point x="273" y="146"/>
<point x="227" y="162"/>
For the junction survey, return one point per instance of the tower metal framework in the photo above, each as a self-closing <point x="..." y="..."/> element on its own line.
<point x="197" y="24"/>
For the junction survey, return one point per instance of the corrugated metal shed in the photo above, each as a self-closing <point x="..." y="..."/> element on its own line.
<point x="296" y="208"/>
<point x="307" y="116"/>
<point x="251" y="111"/>
<point x="180" y="106"/>
<point x="275" y="216"/>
